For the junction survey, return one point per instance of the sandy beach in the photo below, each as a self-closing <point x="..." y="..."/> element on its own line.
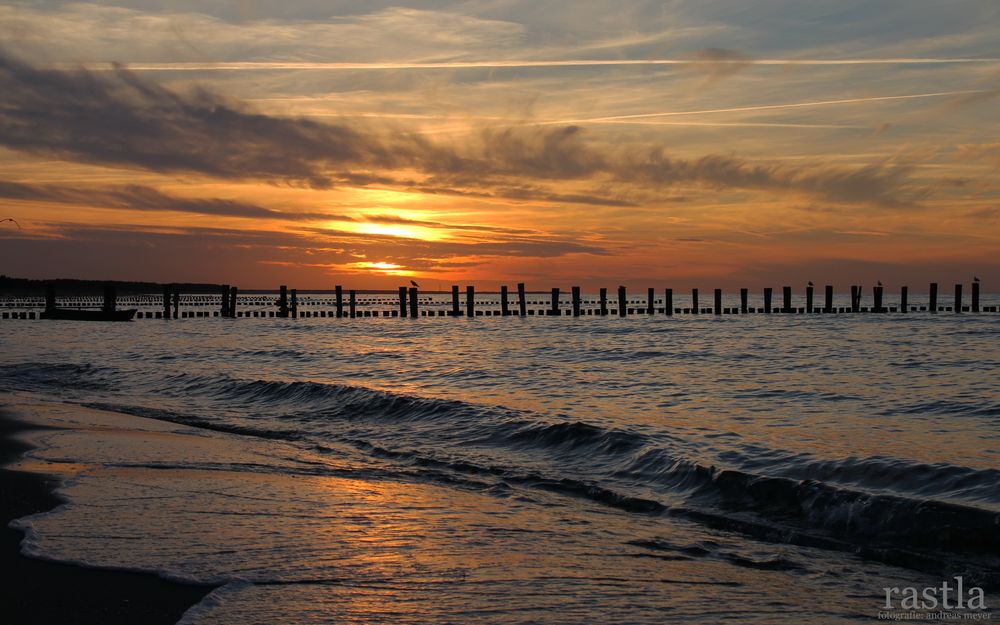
<point x="48" y="592"/>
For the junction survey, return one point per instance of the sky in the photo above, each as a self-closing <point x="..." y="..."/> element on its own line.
<point x="708" y="143"/>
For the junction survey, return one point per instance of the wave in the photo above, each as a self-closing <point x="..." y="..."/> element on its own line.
<point x="886" y="509"/>
<point x="971" y="408"/>
<point x="932" y="536"/>
<point x="46" y="376"/>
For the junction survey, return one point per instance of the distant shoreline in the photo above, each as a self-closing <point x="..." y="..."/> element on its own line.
<point x="25" y="287"/>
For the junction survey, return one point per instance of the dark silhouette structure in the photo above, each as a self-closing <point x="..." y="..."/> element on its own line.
<point x="410" y="305"/>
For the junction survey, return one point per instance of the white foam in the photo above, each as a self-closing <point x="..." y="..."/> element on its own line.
<point x="212" y="601"/>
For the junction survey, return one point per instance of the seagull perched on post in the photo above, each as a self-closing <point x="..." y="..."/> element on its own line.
<point x="975" y="279"/>
<point x="810" y="283"/>
<point x="878" y="282"/>
<point x="414" y="283"/>
<point x="14" y="221"/>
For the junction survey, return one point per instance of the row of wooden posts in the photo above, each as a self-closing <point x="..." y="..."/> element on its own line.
<point x="668" y="307"/>
<point x="288" y="303"/>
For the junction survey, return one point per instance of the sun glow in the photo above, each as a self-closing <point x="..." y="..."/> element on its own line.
<point x="398" y="230"/>
<point x="389" y="269"/>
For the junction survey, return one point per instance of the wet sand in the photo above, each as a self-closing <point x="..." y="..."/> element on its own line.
<point x="38" y="592"/>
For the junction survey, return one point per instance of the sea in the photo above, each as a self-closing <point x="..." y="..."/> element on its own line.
<point x="698" y="468"/>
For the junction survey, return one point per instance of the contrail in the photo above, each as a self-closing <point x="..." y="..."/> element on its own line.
<point x="639" y="117"/>
<point x="765" y="107"/>
<point x="466" y="128"/>
<point x="494" y="118"/>
<point x="333" y="66"/>
<point x="717" y="124"/>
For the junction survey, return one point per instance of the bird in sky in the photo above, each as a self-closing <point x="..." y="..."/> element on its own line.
<point x="11" y="219"/>
<point x="414" y="283"/>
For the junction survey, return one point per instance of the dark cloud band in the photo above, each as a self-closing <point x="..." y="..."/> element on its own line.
<point x="121" y="119"/>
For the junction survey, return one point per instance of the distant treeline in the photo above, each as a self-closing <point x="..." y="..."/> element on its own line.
<point x="23" y="287"/>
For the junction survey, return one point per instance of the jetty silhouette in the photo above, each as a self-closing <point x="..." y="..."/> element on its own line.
<point x="224" y="301"/>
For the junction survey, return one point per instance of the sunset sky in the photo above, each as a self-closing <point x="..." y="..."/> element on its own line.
<point x="675" y="143"/>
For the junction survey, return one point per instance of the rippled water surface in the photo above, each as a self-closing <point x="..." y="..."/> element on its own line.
<point x="746" y="468"/>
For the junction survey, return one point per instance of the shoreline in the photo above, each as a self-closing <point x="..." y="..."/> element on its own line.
<point x="42" y="592"/>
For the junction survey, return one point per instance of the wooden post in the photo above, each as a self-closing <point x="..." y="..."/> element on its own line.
<point x="224" y="307"/>
<point x="604" y="302"/>
<point x="744" y="295"/>
<point x="828" y="304"/>
<point x="786" y="299"/>
<point x="958" y="298"/>
<point x="50" y="297"/>
<point x="177" y="303"/>
<point x="295" y="304"/>
<point x="232" y="300"/>
<point x="413" y="302"/>
<point x="668" y="302"/>
<point x="718" y="301"/>
<point x="932" y="305"/>
<point x="555" y="302"/>
<point x="283" y="301"/>
<point x="166" y="300"/>
<point x="470" y="301"/>
<point x="504" y="308"/>
<point x="694" y="301"/>
<point x="339" y="290"/>
<point x="903" y="304"/>
<point x="767" y="299"/>
<point x="809" y="299"/>
<point x="402" y="301"/>
<point x="622" y="302"/>
<point x="352" y="303"/>
<point x="522" y="303"/>
<point x="855" y="298"/>
<point x="576" y="301"/>
<point x="975" y="296"/>
<point x="455" y="312"/>
<point x="650" y="302"/>
<point x="110" y="296"/>
<point x="877" y="297"/>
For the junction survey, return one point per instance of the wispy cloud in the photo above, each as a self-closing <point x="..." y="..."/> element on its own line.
<point x="716" y="64"/>
<point x="93" y="31"/>
<point x="396" y="219"/>
<point x="987" y="152"/>
<point x="123" y="120"/>
<point x="143" y="198"/>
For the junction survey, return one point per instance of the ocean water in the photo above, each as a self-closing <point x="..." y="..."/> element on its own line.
<point x="701" y="469"/>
